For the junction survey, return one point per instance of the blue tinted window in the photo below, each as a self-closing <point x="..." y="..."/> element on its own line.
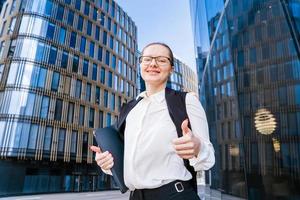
<point x="109" y="24"/>
<point x="50" y="31"/>
<point x="110" y="79"/>
<point x="70" y="17"/>
<point x="102" y="76"/>
<point x="113" y="9"/>
<point x="104" y="38"/>
<point x="77" y="4"/>
<point x="297" y="94"/>
<point x="44" y="107"/>
<point x="52" y="55"/>
<point x="70" y="112"/>
<point x="61" y="140"/>
<point x="81" y="115"/>
<point x="95" y="14"/>
<point x="68" y="1"/>
<point x="78" y="89"/>
<point x="80" y="23"/>
<point x="107" y="57"/>
<point x="94" y="74"/>
<point x="100" y="53"/>
<point x="73" y="40"/>
<point x="111" y="42"/>
<point x="75" y="63"/>
<point x="108" y="119"/>
<point x="58" y="109"/>
<point x="102" y="19"/>
<point x="47" y="138"/>
<point x="33" y="136"/>
<point x="92" y="47"/>
<point x="48" y="7"/>
<point x="62" y="35"/>
<point x="105" y="98"/>
<point x="113" y="61"/>
<point x="115" y="29"/>
<point x="89" y="28"/>
<point x="106" y="5"/>
<point x="73" y="142"/>
<point x="88" y="92"/>
<point x="60" y="12"/>
<point x="55" y="81"/>
<point x="82" y="44"/>
<point x="40" y="52"/>
<point x="99" y="3"/>
<point x="97" y="96"/>
<point x="91" y="118"/>
<point x="97" y="34"/>
<point x="42" y="77"/>
<point x="85" y="69"/>
<point x="87" y="8"/>
<point x="112" y="101"/>
<point x="64" y="59"/>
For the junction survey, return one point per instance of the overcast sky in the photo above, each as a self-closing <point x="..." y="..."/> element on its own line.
<point x="165" y="21"/>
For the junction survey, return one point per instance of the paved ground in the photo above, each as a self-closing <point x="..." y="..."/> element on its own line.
<point x="111" y="195"/>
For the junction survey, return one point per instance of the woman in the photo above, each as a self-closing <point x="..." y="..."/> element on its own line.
<point x="153" y="154"/>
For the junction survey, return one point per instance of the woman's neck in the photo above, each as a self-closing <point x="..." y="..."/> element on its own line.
<point x="151" y="89"/>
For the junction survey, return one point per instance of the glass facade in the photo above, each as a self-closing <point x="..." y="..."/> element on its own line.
<point x="250" y="67"/>
<point x="55" y="89"/>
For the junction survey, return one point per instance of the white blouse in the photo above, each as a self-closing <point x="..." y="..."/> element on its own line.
<point x="150" y="159"/>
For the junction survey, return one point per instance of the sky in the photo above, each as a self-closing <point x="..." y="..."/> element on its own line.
<point x="167" y="21"/>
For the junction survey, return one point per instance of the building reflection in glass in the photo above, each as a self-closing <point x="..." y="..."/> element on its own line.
<point x="251" y="90"/>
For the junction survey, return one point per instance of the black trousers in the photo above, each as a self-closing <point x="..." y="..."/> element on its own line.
<point x="176" y="190"/>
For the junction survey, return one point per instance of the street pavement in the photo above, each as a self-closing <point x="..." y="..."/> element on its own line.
<point x="206" y="194"/>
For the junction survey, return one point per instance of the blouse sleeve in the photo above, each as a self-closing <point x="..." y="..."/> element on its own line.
<point x="206" y="157"/>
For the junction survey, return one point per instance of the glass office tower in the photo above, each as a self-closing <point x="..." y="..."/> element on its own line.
<point x="251" y="89"/>
<point x="66" y="67"/>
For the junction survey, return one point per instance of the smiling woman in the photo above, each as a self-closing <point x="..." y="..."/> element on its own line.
<point x="166" y="135"/>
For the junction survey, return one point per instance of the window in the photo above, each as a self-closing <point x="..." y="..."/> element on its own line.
<point x="97" y="96"/>
<point x="60" y="13"/>
<point x="55" y="81"/>
<point x="110" y="79"/>
<point x="109" y="23"/>
<point x="85" y="144"/>
<point x="107" y="57"/>
<point x="92" y="48"/>
<point x="70" y="18"/>
<point x="64" y="59"/>
<point x="91" y="117"/>
<point x="101" y="119"/>
<point x="61" y="140"/>
<point x="85" y="69"/>
<point x="73" y="40"/>
<point x="297" y="94"/>
<point x="62" y="35"/>
<point x="89" y="28"/>
<point x="108" y="119"/>
<point x="48" y="8"/>
<point x="58" y="109"/>
<point x="88" y="92"/>
<point x="78" y="89"/>
<point x="47" y="138"/>
<point x="104" y="38"/>
<point x="100" y="49"/>
<point x="95" y="14"/>
<point x="52" y="55"/>
<point x="45" y="107"/>
<point x="39" y="56"/>
<point x="102" y="19"/>
<point x="74" y="142"/>
<point x="77" y="4"/>
<point x="30" y="104"/>
<point x="111" y="42"/>
<point x="50" y="31"/>
<point x="102" y="76"/>
<point x="81" y="115"/>
<point x="87" y="8"/>
<point x="106" y="98"/>
<point x="75" y="63"/>
<point x="112" y="101"/>
<point x="82" y="44"/>
<point x="33" y="136"/>
<point x="70" y="112"/>
<point x="80" y="23"/>
<point x="42" y="77"/>
<point x="113" y="62"/>
<point x="94" y="72"/>
<point x="97" y="33"/>
<point x="252" y="55"/>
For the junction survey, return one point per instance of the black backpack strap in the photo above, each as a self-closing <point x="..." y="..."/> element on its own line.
<point x="177" y="110"/>
<point x="125" y="109"/>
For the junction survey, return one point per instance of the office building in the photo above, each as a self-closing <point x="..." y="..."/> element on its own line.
<point x="66" y="66"/>
<point x="251" y="90"/>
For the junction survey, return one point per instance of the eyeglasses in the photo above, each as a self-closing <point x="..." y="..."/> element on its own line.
<point x="160" y="60"/>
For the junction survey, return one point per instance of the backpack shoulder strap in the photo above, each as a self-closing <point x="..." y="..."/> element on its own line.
<point x="177" y="110"/>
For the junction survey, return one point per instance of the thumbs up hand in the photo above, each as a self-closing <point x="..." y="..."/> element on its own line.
<point x="187" y="146"/>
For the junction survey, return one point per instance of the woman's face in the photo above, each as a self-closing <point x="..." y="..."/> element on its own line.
<point x="156" y="72"/>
